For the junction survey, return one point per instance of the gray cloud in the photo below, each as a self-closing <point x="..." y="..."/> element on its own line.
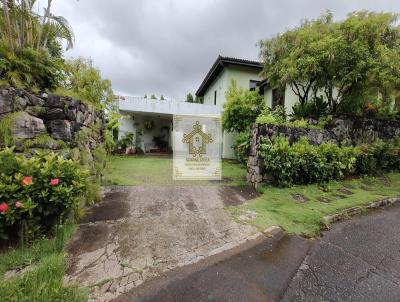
<point x="167" y="46"/>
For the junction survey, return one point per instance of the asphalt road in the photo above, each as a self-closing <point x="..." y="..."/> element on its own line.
<point x="357" y="260"/>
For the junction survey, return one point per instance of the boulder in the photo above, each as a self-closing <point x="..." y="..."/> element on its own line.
<point x="60" y="129"/>
<point x="25" y="126"/>
<point x="22" y="102"/>
<point x="54" y="114"/>
<point x="54" y="101"/>
<point x="6" y="103"/>
<point x="34" y="100"/>
<point x="80" y="117"/>
<point x="71" y="114"/>
<point x="35" y="110"/>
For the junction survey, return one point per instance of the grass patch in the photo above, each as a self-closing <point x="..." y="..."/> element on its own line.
<point x="143" y="170"/>
<point x="44" y="282"/>
<point x="276" y="206"/>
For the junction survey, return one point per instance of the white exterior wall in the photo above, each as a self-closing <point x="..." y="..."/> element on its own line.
<point x="131" y="122"/>
<point x="142" y="105"/>
<point x="242" y="76"/>
<point x="221" y="84"/>
<point x="290" y="98"/>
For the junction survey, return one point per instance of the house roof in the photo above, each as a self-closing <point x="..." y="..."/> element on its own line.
<point x="219" y="65"/>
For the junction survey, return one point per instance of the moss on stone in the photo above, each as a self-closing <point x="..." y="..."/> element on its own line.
<point x="6" y="123"/>
<point x="45" y="140"/>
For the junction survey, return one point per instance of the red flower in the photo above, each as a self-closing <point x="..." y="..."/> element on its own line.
<point x="26" y="181"/>
<point x="18" y="204"/>
<point x="54" y="181"/>
<point x="3" y="207"/>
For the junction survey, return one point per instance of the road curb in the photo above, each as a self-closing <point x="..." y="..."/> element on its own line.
<point x="272" y="231"/>
<point x="345" y="214"/>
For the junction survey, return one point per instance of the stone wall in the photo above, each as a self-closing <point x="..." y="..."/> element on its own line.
<point x="344" y="130"/>
<point x="48" y="121"/>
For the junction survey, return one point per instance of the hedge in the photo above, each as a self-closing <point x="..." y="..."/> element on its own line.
<point x="303" y="163"/>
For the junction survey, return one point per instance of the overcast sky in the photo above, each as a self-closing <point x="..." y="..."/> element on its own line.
<point x="167" y="46"/>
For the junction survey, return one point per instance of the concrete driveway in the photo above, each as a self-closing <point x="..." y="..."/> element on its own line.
<point x="178" y="244"/>
<point x="137" y="233"/>
<point x="357" y="260"/>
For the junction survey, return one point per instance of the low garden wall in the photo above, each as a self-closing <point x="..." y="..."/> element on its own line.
<point x="50" y="122"/>
<point x="39" y="189"/>
<point x="342" y="131"/>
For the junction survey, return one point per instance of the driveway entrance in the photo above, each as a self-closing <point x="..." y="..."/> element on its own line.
<point x="136" y="233"/>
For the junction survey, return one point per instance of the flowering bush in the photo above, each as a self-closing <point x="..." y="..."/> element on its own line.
<point x="37" y="193"/>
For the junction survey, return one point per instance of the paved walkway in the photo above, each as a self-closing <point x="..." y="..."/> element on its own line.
<point x="137" y="233"/>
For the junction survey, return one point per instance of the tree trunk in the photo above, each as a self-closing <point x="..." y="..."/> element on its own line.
<point x="22" y="23"/>
<point x="13" y="10"/>
<point x="45" y="17"/>
<point x="8" y="24"/>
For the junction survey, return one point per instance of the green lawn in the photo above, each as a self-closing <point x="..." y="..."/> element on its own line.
<point x="45" y="281"/>
<point x="276" y="206"/>
<point x="143" y="170"/>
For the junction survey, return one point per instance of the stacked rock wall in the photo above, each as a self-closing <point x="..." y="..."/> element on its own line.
<point x="47" y="121"/>
<point x="342" y="131"/>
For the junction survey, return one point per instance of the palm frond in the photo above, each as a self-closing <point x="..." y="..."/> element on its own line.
<point x="67" y="32"/>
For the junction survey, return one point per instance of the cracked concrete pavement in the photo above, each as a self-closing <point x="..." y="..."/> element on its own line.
<point x="137" y="233"/>
<point x="177" y="243"/>
<point x="357" y="260"/>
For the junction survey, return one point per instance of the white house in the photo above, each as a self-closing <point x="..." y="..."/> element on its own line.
<point x="154" y="117"/>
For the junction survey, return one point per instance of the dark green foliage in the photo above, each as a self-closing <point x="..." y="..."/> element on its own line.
<point x="241" y="109"/>
<point x="316" y="108"/>
<point x="303" y="163"/>
<point x="28" y="68"/>
<point x="241" y="147"/>
<point x="189" y="98"/>
<point x="126" y="141"/>
<point x="348" y="63"/>
<point x="379" y="156"/>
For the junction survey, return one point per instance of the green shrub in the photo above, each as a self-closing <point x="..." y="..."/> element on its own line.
<point x="241" y="108"/>
<point x="379" y="156"/>
<point x="274" y="117"/>
<point x="37" y="193"/>
<point x="28" y="68"/>
<point x="241" y="147"/>
<point x="303" y="163"/>
<point x="314" y="108"/>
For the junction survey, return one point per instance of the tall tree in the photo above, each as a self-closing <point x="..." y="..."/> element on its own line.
<point x="189" y="98"/>
<point x="339" y="61"/>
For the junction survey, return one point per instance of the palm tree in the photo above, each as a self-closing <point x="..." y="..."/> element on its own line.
<point x="8" y="23"/>
<point x="25" y="28"/>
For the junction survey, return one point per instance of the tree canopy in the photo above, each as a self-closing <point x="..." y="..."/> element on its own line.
<point x="189" y="98"/>
<point x="344" y="61"/>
